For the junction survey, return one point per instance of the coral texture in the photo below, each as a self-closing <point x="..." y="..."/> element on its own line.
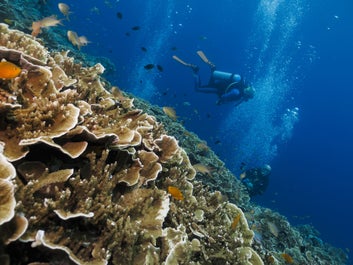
<point x="86" y="174"/>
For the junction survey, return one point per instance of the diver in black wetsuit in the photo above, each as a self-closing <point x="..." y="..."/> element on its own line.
<point x="229" y="87"/>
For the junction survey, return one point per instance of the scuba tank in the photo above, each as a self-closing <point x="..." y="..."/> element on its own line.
<point x="234" y="78"/>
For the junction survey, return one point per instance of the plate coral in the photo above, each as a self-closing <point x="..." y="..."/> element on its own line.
<point x="85" y="174"/>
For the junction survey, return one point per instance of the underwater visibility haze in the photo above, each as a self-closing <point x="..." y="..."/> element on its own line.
<point x="296" y="54"/>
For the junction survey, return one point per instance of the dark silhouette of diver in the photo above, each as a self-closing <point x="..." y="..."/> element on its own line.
<point x="229" y="87"/>
<point x="256" y="179"/>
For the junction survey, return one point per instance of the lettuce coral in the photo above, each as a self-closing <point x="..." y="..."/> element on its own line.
<point x="85" y="174"/>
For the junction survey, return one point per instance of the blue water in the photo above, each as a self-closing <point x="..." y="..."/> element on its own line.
<point x="298" y="56"/>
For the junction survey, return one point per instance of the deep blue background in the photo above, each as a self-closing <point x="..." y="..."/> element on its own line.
<point x="312" y="175"/>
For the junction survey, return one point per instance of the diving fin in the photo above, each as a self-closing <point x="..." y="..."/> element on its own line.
<point x="205" y="59"/>
<point x="176" y="58"/>
<point x="202" y="56"/>
<point x="195" y="68"/>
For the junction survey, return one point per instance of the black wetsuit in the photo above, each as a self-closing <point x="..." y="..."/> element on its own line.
<point x="229" y="87"/>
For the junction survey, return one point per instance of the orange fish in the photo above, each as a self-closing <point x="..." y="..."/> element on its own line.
<point x="36" y="28"/>
<point x="270" y="259"/>
<point x="44" y="23"/>
<point x="170" y="112"/>
<point x="235" y="222"/>
<point x="9" y="70"/>
<point x="176" y="193"/>
<point x="287" y="258"/>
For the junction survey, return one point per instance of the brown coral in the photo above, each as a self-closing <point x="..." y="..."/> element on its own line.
<point x="7" y="199"/>
<point x="40" y="122"/>
<point x="93" y="172"/>
<point x="13" y="230"/>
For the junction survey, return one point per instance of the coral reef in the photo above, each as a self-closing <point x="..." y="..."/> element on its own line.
<point x="215" y="174"/>
<point x="277" y="242"/>
<point x="85" y="175"/>
<point x="91" y="175"/>
<point x="274" y="237"/>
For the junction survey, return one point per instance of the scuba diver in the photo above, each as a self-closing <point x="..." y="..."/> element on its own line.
<point x="256" y="179"/>
<point x="229" y="87"/>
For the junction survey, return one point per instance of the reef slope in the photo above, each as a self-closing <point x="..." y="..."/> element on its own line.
<point x="90" y="175"/>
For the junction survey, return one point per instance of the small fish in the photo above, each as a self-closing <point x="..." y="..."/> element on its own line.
<point x="170" y="112"/>
<point x="160" y="68"/>
<point x="149" y="66"/>
<point x="65" y="10"/>
<point x="50" y="21"/>
<point x="73" y="37"/>
<point x="136" y="28"/>
<point x="273" y="229"/>
<point x="270" y="259"/>
<point x="8" y="21"/>
<point x="127" y="34"/>
<point x="119" y="15"/>
<point x="83" y="41"/>
<point x="76" y="40"/>
<point x="217" y="142"/>
<point x="235" y="222"/>
<point x="202" y="147"/>
<point x="176" y="193"/>
<point x="287" y="258"/>
<point x="143" y="49"/>
<point x="201" y="168"/>
<point x="242" y="176"/>
<point x="9" y="70"/>
<point x="173" y="48"/>
<point x="44" y="23"/>
<point x="36" y="28"/>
